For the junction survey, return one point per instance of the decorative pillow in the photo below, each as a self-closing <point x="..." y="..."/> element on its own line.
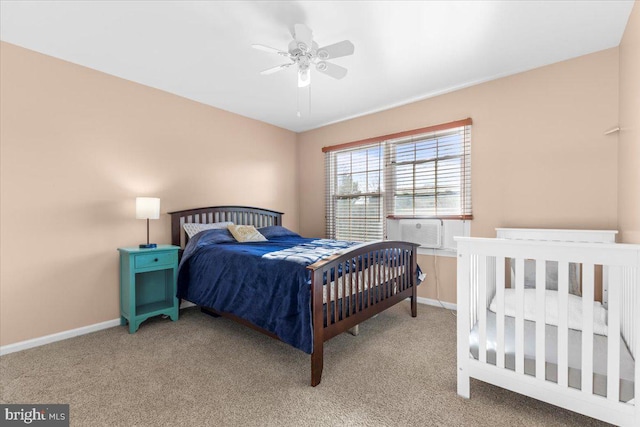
<point x="214" y="236"/>
<point x="194" y="228"/>
<point x="272" y="231"/>
<point x="246" y="233"/>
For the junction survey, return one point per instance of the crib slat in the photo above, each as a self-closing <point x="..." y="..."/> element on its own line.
<point x="563" y="324"/>
<point x="613" y="334"/>
<point x="519" y="315"/>
<point x="587" y="327"/>
<point x="541" y="276"/>
<point x="635" y="349"/>
<point x="473" y="267"/>
<point x="463" y="288"/>
<point x="482" y="311"/>
<point x="500" y="265"/>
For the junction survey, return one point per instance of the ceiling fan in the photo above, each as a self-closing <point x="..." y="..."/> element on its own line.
<point x="304" y="52"/>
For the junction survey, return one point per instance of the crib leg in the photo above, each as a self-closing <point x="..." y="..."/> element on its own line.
<point x="464" y="389"/>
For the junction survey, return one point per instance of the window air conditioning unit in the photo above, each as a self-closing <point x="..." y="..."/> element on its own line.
<point x="425" y="232"/>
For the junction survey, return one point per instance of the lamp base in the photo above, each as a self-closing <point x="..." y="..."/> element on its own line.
<point x="148" y="245"/>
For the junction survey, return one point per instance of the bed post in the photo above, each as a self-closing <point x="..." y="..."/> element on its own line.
<point x="318" y="326"/>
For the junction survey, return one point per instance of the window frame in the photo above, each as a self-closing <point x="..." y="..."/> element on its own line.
<point x="388" y="177"/>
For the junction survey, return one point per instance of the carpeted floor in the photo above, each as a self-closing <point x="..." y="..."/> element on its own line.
<point x="201" y="371"/>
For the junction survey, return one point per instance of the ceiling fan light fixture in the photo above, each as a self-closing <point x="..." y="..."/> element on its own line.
<point x="304" y="77"/>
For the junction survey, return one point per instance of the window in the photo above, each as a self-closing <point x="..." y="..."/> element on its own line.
<point x="355" y="181"/>
<point x="424" y="173"/>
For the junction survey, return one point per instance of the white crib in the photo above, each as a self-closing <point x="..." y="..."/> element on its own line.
<point x="549" y="344"/>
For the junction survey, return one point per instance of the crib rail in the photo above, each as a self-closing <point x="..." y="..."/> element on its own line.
<point x="482" y="266"/>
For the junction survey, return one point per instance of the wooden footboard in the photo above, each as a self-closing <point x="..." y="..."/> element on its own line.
<point x="356" y="285"/>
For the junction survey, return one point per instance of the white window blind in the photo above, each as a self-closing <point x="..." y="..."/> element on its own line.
<point x="430" y="174"/>
<point x="354" y="201"/>
<point x="416" y="174"/>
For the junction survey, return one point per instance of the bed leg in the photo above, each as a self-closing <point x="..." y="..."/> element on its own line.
<point x="316" y="365"/>
<point x="355" y="330"/>
<point x="209" y="312"/>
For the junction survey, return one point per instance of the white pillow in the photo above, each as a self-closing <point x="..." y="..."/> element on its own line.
<point x="194" y="228"/>
<point x="574" y="309"/>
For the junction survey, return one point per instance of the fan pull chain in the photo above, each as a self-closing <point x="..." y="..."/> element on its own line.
<point x="298" y="107"/>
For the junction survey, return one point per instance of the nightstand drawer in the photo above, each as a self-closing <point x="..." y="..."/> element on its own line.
<point x="151" y="260"/>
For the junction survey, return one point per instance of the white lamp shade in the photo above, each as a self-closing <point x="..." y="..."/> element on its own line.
<point x="147" y="208"/>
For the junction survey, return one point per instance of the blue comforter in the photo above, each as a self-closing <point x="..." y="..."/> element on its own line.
<point x="266" y="283"/>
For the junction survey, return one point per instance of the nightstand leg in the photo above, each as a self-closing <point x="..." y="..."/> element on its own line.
<point x="175" y="311"/>
<point x="133" y="327"/>
<point x="123" y="320"/>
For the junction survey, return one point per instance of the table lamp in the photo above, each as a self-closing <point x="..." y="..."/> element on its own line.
<point x="147" y="208"/>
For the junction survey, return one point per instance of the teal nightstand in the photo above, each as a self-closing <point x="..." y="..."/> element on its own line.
<point x="148" y="284"/>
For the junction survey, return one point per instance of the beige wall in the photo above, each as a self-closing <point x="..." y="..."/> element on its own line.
<point x="539" y="154"/>
<point x="77" y="147"/>
<point x="629" y="145"/>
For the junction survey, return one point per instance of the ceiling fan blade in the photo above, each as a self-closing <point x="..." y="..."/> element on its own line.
<point x="269" y="49"/>
<point x="333" y="70"/>
<point x="275" y="69"/>
<point x="336" y="50"/>
<point x="303" y="34"/>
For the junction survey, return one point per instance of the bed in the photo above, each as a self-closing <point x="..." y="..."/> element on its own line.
<point x="552" y="314"/>
<point x="300" y="291"/>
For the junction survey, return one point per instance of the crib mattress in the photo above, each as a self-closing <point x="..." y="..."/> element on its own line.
<point x="551" y="349"/>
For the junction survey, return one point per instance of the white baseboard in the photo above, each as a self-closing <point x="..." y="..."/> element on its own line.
<point x="47" y="339"/>
<point x="436" y="303"/>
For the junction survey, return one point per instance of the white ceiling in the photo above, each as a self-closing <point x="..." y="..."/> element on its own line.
<point x="404" y="51"/>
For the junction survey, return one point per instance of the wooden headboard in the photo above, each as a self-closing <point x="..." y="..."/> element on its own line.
<point x="240" y="215"/>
